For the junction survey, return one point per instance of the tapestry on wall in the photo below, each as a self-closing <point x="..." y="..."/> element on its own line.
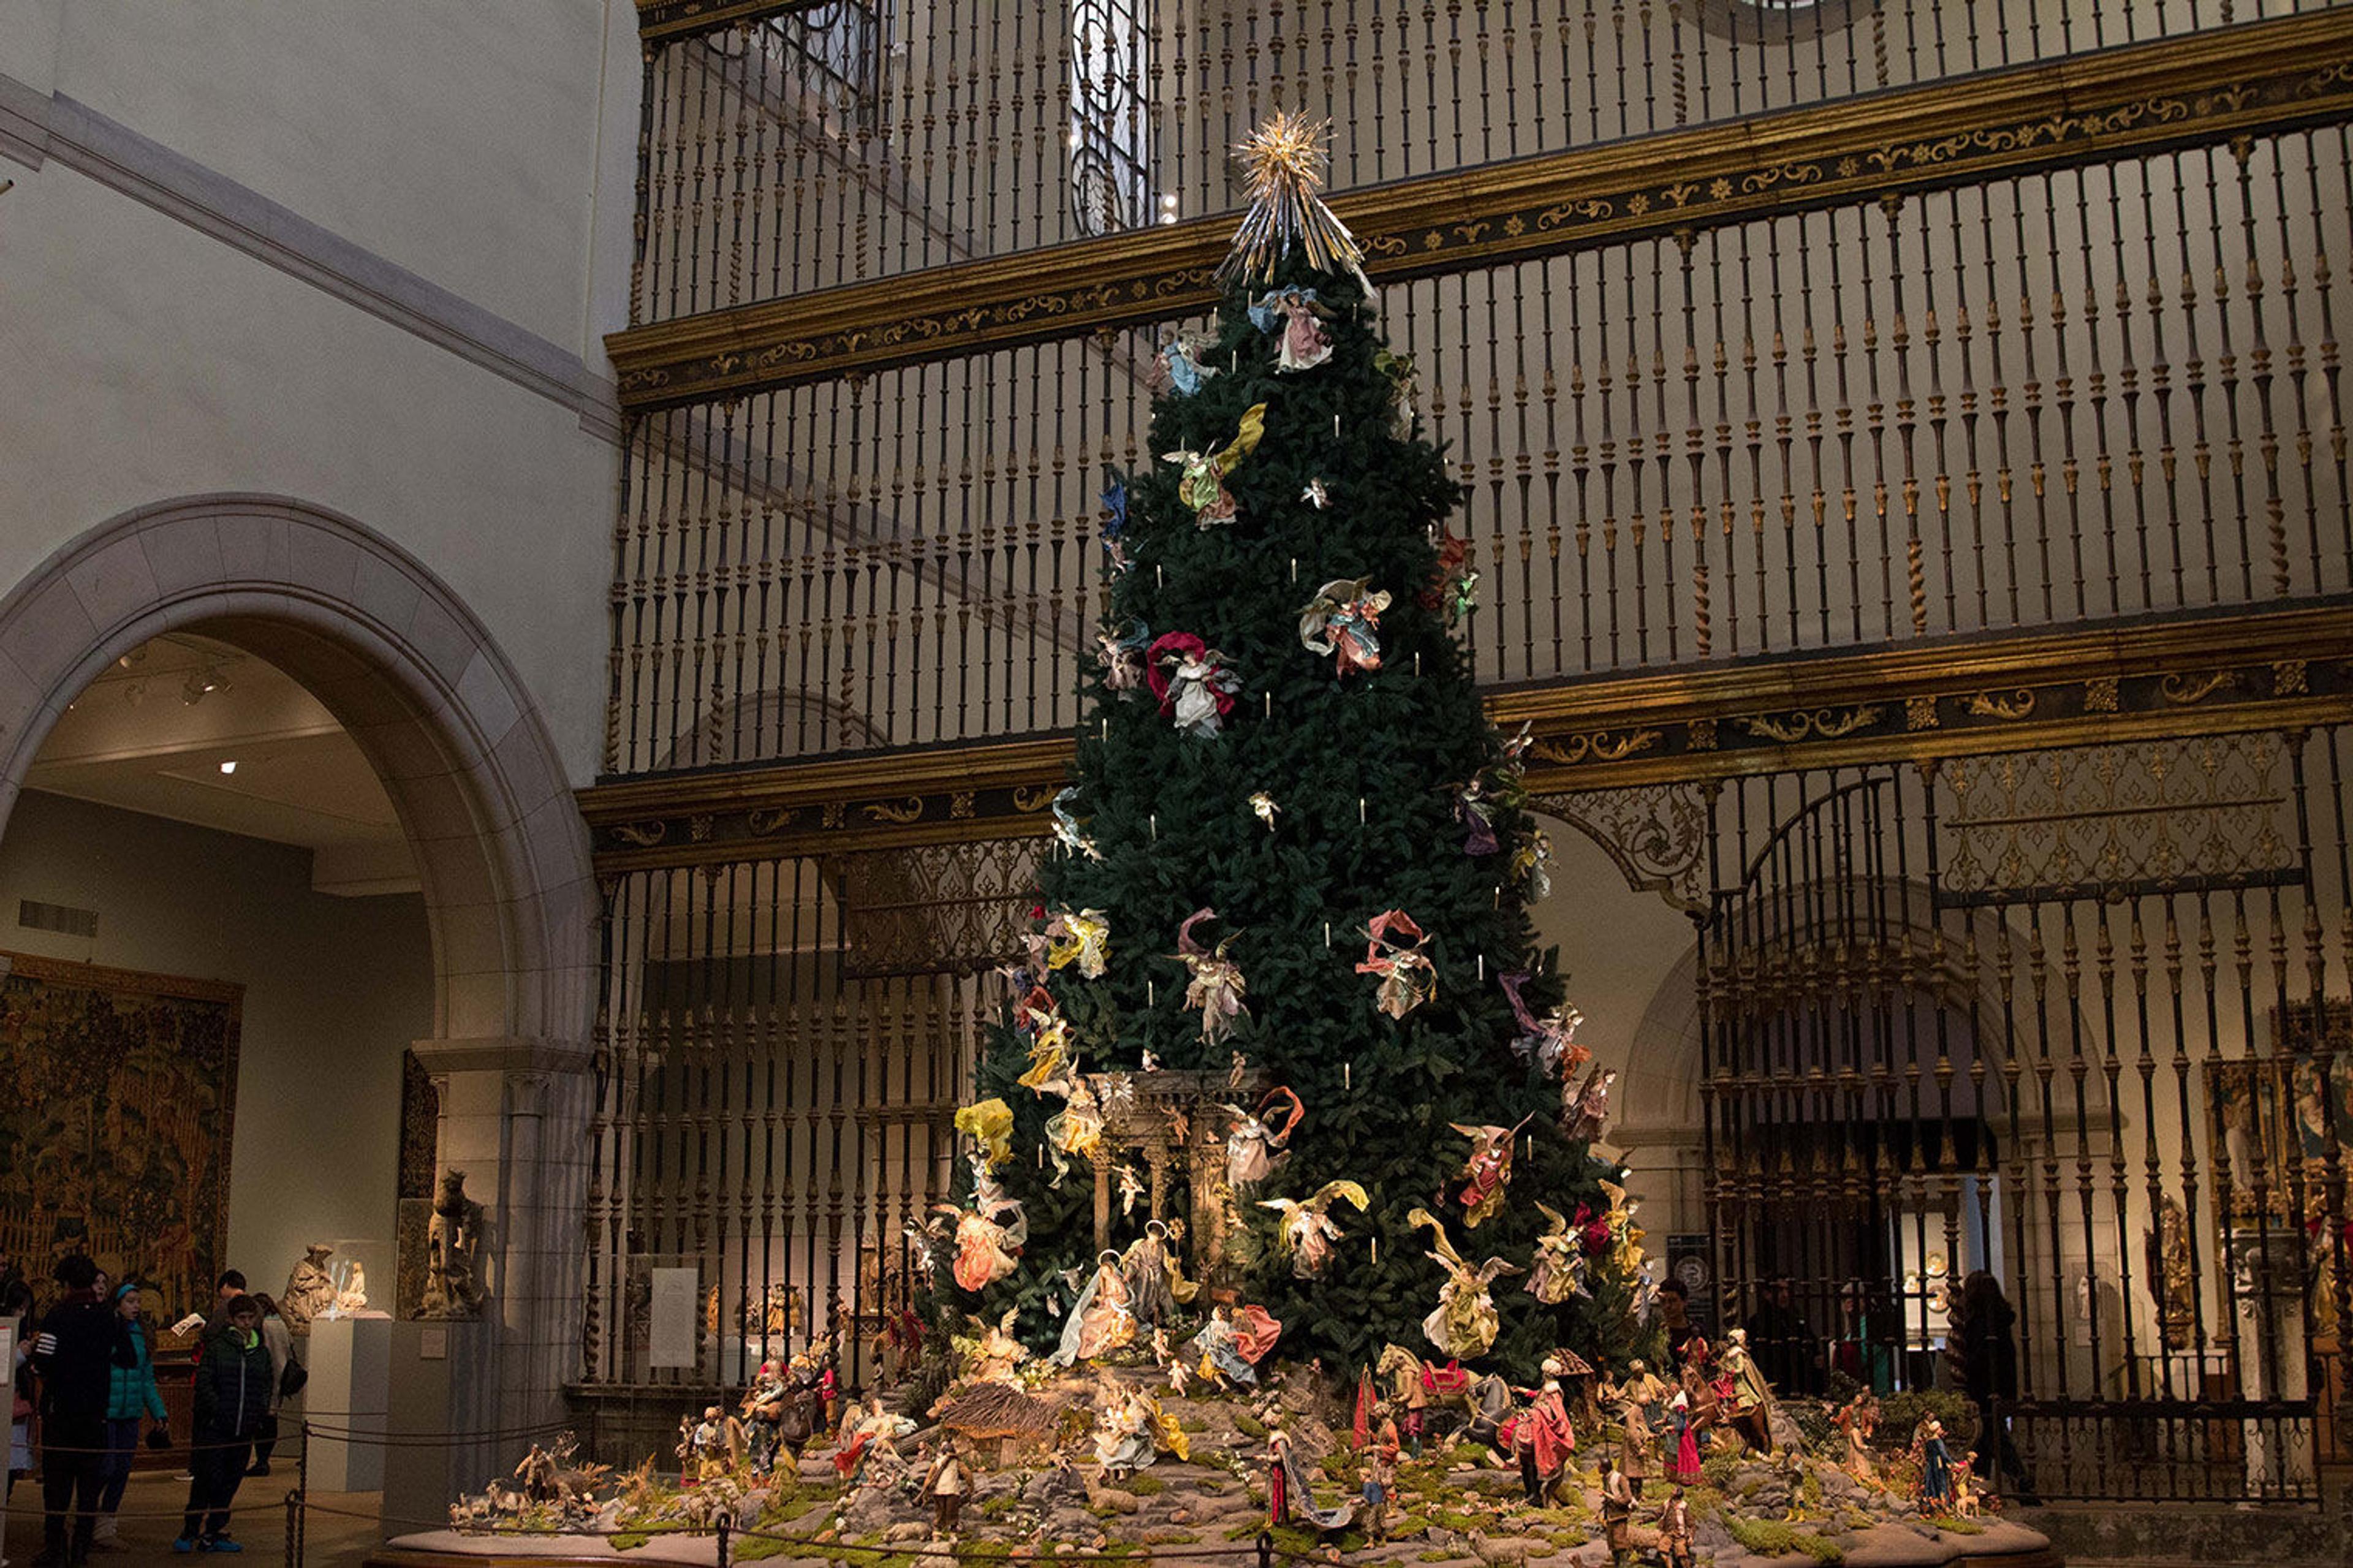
<point x="116" y="1140"/>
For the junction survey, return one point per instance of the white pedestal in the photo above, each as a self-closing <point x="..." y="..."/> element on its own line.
<point x="351" y="1373"/>
<point x="443" y="1386"/>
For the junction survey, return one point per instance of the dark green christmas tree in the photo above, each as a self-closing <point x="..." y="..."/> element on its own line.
<point x="1300" y="795"/>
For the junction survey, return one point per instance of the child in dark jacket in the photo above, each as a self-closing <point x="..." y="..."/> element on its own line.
<point x="232" y="1388"/>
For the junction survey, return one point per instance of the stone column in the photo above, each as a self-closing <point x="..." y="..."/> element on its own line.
<point x="514" y="1118"/>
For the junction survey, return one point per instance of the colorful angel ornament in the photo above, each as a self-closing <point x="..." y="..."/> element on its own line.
<point x="1454" y="587"/>
<point x="1114" y="499"/>
<point x="1531" y="864"/>
<point x="1262" y="804"/>
<point x="1316" y="494"/>
<point x="1193" y="682"/>
<point x="990" y="1235"/>
<point x="1344" y="620"/>
<point x="1201" y="484"/>
<point x="1122" y="654"/>
<point x="1307" y="1230"/>
<point x="1180" y="360"/>
<point x="1464" y="1323"/>
<point x="1068" y="831"/>
<point x="1082" y="939"/>
<point x="989" y="1123"/>
<point x="1549" y="1042"/>
<point x="1296" y="317"/>
<point x="1560" y="1263"/>
<point x="1403" y="381"/>
<point x="1256" y="1144"/>
<point x="1585" y="1116"/>
<point x="1216" y="985"/>
<point x="1076" y="1130"/>
<point x="1472" y="808"/>
<point x="1393" y="951"/>
<point x="1487" y="1172"/>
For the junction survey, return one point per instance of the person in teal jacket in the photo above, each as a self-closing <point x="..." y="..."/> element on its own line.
<point x="130" y="1396"/>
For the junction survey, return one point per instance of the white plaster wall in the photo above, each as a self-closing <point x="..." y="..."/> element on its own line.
<point x="456" y="139"/>
<point x="168" y="364"/>
<point x="483" y="151"/>
<point x="335" y="989"/>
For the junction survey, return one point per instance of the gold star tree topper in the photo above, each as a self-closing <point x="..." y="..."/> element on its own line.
<point x="1282" y="165"/>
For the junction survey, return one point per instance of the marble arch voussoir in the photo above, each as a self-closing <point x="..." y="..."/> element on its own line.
<point x="392" y="651"/>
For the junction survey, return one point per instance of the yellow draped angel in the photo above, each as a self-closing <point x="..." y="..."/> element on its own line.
<point x="990" y="1124"/>
<point x="1465" y="1323"/>
<point x="1306" y="1231"/>
<point x="1084" y="938"/>
<point x="1051" y="1063"/>
<point x="1202" y="485"/>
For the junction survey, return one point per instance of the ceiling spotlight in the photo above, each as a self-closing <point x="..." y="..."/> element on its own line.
<point x="229" y="767"/>
<point x="201" y="683"/>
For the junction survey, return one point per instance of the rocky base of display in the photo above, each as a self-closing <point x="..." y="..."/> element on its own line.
<point x="1456" y="1503"/>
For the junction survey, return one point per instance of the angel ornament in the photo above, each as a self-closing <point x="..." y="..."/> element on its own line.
<point x="1296" y="318"/>
<point x="1560" y="1272"/>
<point x="1585" y="1116"/>
<point x="1344" y="620"/>
<point x="1084" y="938"/>
<point x="1549" y="1043"/>
<point x="1216" y="985"/>
<point x="1307" y="1231"/>
<point x="1068" y="831"/>
<point x="1076" y="1130"/>
<point x="1464" y="1323"/>
<point x="990" y="1235"/>
<point x="1487" y="1172"/>
<point x="1393" y="951"/>
<point x="1201" y="482"/>
<point x="1180" y="360"/>
<point x="1121" y="652"/>
<point x="1195" y="685"/>
<point x="1257" y="1145"/>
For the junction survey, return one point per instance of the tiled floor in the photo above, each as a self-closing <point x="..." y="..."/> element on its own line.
<point x="342" y="1526"/>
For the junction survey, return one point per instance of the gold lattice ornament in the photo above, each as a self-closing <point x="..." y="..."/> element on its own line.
<point x="1282" y="166"/>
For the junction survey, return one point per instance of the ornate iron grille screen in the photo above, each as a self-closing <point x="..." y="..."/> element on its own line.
<point x="2057" y="1016"/>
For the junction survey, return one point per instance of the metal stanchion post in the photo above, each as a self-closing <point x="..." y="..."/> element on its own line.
<point x="723" y="1541"/>
<point x="1265" y="1549"/>
<point x="293" y="1518"/>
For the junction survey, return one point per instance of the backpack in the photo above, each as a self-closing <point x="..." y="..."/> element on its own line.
<point x="291" y="1381"/>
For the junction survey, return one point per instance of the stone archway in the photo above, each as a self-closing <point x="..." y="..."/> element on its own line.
<point x="511" y="901"/>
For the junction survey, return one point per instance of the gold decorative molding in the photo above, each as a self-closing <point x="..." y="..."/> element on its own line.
<point x="2251" y="79"/>
<point x="663" y="22"/>
<point x="1919" y="703"/>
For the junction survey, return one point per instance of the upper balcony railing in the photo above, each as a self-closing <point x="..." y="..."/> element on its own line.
<point x="790" y="148"/>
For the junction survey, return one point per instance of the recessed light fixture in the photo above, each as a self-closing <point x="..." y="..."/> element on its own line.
<point x="229" y="767"/>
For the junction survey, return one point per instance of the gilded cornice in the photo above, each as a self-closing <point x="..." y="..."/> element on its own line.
<point x="2281" y="669"/>
<point x="667" y="21"/>
<point x="2208" y="88"/>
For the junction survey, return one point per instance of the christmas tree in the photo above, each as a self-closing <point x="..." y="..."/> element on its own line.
<point x="1292" y="851"/>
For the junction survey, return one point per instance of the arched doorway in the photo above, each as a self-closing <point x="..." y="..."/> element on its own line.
<point x="458" y="744"/>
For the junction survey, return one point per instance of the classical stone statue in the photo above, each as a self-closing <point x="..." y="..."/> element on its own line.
<point x="453" y="1285"/>
<point x="310" y="1290"/>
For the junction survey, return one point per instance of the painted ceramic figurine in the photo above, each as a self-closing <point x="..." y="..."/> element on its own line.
<point x="1752" y="1396"/>
<point x="1486" y="1173"/>
<point x="1935" y="1462"/>
<point x="990" y="1235"/>
<point x="1464" y="1323"/>
<point x="1344" y="621"/>
<point x="1296" y="318"/>
<point x="1675" y="1531"/>
<point x="1216" y="987"/>
<point x="1585" y="1117"/>
<point x="1393" y="942"/>
<point x="1099" y="1320"/>
<point x="1257" y="1144"/>
<point x="1559" y="1270"/>
<point x="1306" y="1231"/>
<point x="1202" y="483"/>
<point x="1856" y="1420"/>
